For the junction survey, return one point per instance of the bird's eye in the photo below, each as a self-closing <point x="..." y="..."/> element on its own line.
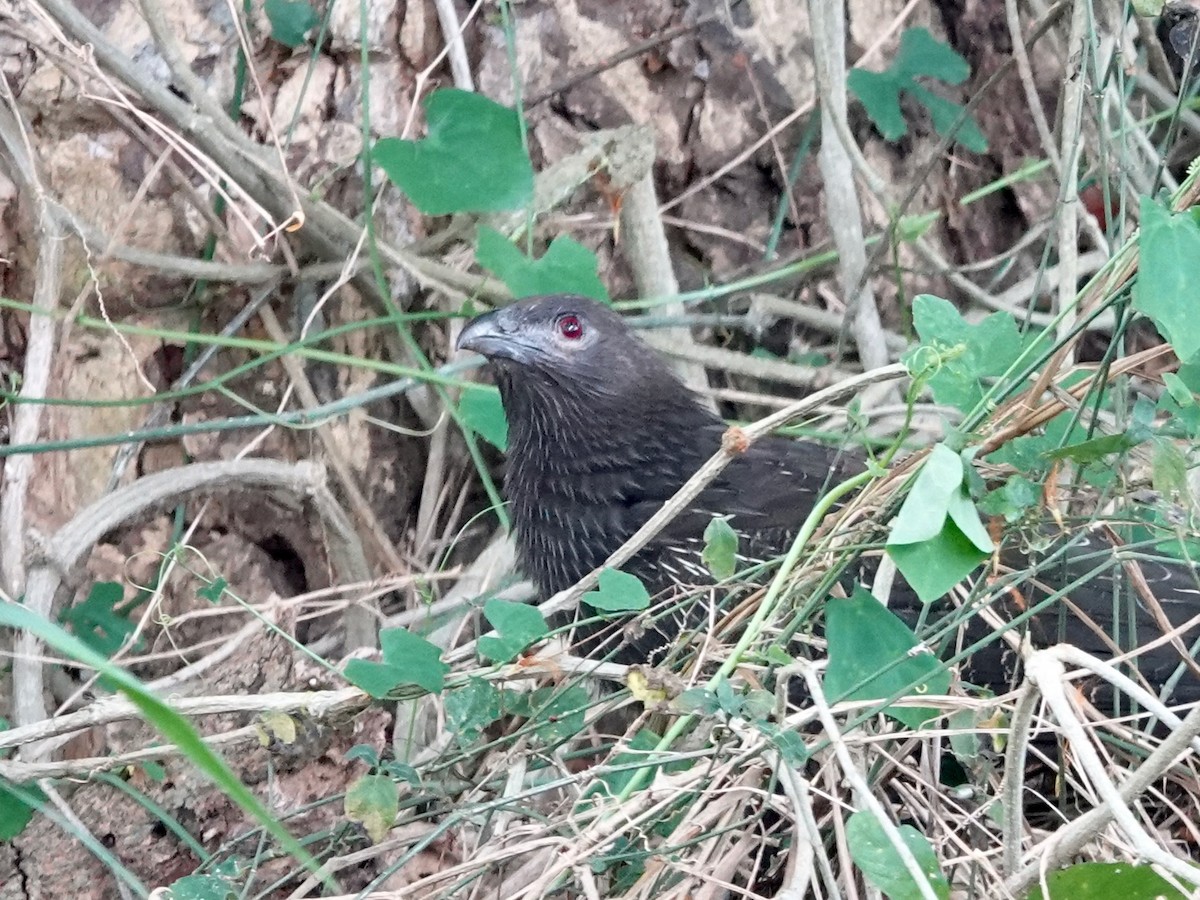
<point x="570" y="327"/>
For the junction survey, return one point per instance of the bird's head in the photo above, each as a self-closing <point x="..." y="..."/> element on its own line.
<point x="571" y="342"/>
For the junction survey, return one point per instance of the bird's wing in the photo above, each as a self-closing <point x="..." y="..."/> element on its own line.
<point x="767" y="493"/>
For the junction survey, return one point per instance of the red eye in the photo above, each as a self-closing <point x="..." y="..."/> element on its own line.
<point x="570" y="327"/>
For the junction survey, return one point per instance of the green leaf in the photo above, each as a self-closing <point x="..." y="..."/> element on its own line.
<point x="1178" y="404"/>
<point x="96" y="622"/>
<point x="483" y="413"/>
<point x="1106" y="881"/>
<point x="1168" y="470"/>
<point x="966" y="357"/>
<point x="207" y="886"/>
<point x="398" y="771"/>
<point x="937" y="494"/>
<point x="873" y="655"/>
<point x="912" y="227"/>
<point x="1189" y="374"/>
<point x="937" y="537"/>
<point x="618" y="592"/>
<point x="407" y="659"/>
<point x="1012" y="499"/>
<point x="555" y="713"/>
<point x="567" y="267"/>
<point x="920" y="55"/>
<point x="1141" y="429"/>
<point x="470" y="709"/>
<point x="18" y="803"/>
<point x="1178" y="390"/>
<point x="720" y="548"/>
<point x="471" y="160"/>
<point x="962" y="512"/>
<point x="420" y="660"/>
<point x="698" y="701"/>
<point x="879" y="860"/>
<point x="1169" y="270"/>
<point x="789" y="743"/>
<point x="376" y="679"/>
<point x="517" y="625"/>
<point x="757" y="704"/>
<point x="290" y="20"/>
<point x="1030" y="453"/>
<point x="933" y="567"/>
<point x="926" y="506"/>
<point x="170" y="724"/>
<point x="778" y="657"/>
<point x="364" y="752"/>
<point x="373" y="801"/>
<point x="1095" y="449"/>
<point x="212" y="592"/>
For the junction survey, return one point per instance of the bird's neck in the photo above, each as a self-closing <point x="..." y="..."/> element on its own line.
<point x="585" y="471"/>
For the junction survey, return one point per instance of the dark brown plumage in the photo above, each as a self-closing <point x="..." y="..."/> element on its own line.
<point x="601" y="433"/>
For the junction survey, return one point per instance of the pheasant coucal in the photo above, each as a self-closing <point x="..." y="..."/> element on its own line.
<point x="602" y="433"/>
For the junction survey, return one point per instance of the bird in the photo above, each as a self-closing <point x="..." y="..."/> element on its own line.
<point x="602" y="432"/>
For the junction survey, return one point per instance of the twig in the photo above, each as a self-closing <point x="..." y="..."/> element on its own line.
<point x="644" y="242"/>
<point x="828" y="322"/>
<point x="116" y="708"/>
<point x="1012" y="786"/>
<point x="1071" y="139"/>
<point x="806" y="835"/>
<point x="457" y="50"/>
<point x="836" y="159"/>
<point x="39" y="352"/>
<point x="1032" y="100"/>
<point x="577" y="78"/>
<point x="424" y="74"/>
<point x="777" y="370"/>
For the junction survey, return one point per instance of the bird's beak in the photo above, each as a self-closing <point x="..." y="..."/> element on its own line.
<point x="492" y="335"/>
